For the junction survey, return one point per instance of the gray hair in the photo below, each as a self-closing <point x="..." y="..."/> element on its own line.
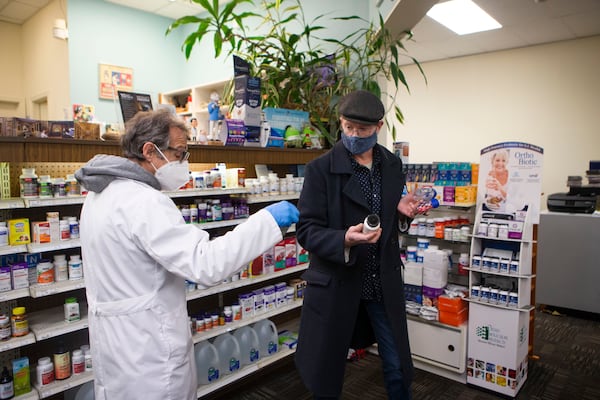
<point x="149" y="126"/>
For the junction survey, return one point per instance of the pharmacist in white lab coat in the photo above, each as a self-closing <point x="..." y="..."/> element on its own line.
<point x="137" y="251"/>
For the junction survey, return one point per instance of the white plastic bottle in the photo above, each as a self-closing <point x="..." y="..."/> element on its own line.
<point x="75" y="267"/>
<point x="28" y="182"/>
<point x="3" y="234"/>
<point x="248" y="340"/>
<point x="229" y="353"/>
<point x="45" y="371"/>
<point x="78" y="362"/>
<point x="61" y="269"/>
<point x="268" y="341"/>
<point x="207" y="362"/>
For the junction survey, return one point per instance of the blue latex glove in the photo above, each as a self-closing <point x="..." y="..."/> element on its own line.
<point x="284" y="212"/>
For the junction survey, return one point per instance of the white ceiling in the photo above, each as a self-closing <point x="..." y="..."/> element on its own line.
<point x="525" y="23"/>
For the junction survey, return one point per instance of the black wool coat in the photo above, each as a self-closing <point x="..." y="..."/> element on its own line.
<point x="332" y="319"/>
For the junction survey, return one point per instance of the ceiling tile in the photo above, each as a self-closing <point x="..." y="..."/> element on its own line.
<point x="18" y="12"/>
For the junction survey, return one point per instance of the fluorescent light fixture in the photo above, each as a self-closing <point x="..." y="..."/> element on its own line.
<point x="463" y="17"/>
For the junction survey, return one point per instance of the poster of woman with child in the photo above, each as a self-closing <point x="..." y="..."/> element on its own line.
<point x="510" y="178"/>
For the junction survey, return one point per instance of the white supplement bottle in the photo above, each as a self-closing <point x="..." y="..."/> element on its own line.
<point x="75" y="267"/>
<point x="78" y="362"/>
<point x="61" y="269"/>
<point x="371" y="223"/>
<point x="45" y="371"/>
<point x="3" y="234"/>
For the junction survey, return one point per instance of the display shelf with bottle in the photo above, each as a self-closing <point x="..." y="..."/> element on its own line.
<point x="437" y="347"/>
<point x="47" y="321"/>
<point x="500" y="272"/>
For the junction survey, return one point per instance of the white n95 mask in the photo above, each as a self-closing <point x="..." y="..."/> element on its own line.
<point x="172" y="175"/>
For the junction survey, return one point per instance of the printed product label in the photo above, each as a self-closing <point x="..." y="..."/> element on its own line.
<point x="20" y="328"/>
<point x="62" y="366"/>
<point x="6" y="390"/>
<point x="272" y="348"/>
<point x="47" y="377"/>
<point x="254" y="356"/>
<point x="213" y="374"/>
<point x="234" y="364"/>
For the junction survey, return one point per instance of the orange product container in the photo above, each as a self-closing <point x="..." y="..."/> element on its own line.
<point x="451" y="304"/>
<point x="452" y="318"/>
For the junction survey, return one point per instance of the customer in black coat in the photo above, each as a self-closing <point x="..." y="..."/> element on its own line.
<point x="354" y="295"/>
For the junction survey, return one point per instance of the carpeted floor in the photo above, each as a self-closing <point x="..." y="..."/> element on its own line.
<point x="566" y="366"/>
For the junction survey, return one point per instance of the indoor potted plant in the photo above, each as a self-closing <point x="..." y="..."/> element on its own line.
<point x="300" y="65"/>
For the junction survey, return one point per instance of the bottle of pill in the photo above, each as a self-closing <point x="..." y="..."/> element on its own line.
<point x="19" y="322"/>
<point x="5" y="330"/>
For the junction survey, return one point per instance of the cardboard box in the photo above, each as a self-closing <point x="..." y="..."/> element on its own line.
<point x="451" y="304"/>
<point x="41" y="232"/>
<point x="5" y="279"/>
<point x="21" y="381"/>
<point x="18" y="231"/>
<point x="19" y="275"/>
<point x="452" y="318"/>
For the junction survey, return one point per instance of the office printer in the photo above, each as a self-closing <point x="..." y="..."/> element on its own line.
<point x="579" y="199"/>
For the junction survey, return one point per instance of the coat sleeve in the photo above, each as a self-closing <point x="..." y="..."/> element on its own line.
<point x="187" y="251"/>
<point x="314" y="230"/>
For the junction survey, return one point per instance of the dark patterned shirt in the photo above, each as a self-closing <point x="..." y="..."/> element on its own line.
<point x="370" y="182"/>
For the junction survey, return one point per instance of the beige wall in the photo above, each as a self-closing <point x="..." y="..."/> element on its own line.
<point x="12" y="102"/>
<point x="547" y="95"/>
<point x="46" y="66"/>
<point x="34" y="72"/>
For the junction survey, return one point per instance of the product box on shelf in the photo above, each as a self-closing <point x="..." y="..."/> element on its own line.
<point x="20" y="275"/>
<point x="453" y="318"/>
<point x="282" y="122"/>
<point x="5" y="280"/>
<point x="18" y="231"/>
<point x="4" y="180"/>
<point x="21" y="380"/>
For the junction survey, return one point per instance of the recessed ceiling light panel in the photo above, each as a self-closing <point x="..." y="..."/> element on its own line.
<point x="463" y="17"/>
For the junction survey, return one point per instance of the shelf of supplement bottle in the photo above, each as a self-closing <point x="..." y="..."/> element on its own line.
<point x="10" y="203"/>
<point x="14" y="294"/>
<point x="198" y="293"/>
<point x="213" y="332"/>
<point x="4" y="250"/>
<point x="504" y="240"/>
<point x="487" y="271"/>
<point x="205" y="192"/>
<point x="51" y="322"/>
<point x="52" y="201"/>
<point x="436" y="239"/>
<point x="225" y="380"/>
<point x="254" y="199"/>
<point x="60" y="386"/>
<point x="53" y="246"/>
<point x="16" y="342"/>
<point x="33" y="395"/>
<point x="56" y="287"/>
<point x="220" y="224"/>
<point x="465" y="206"/>
<point x="483" y="303"/>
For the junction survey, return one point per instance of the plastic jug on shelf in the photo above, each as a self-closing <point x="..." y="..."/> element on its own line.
<point x="248" y="340"/>
<point x="207" y="362"/>
<point x="229" y="351"/>
<point x="267" y="337"/>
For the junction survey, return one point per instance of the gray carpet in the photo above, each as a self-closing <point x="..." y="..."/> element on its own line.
<point x="566" y="366"/>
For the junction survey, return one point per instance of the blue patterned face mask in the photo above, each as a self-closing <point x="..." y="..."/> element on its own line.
<point x="358" y="145"/>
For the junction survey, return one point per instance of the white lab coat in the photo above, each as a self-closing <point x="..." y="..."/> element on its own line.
<point x="137" y="250"/>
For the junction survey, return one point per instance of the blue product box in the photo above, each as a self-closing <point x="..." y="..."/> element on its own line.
<point x="281" y="119"/>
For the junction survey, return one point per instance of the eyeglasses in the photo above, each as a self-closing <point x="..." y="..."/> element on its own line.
<point x="360" y="130"/>
<point x="183" y="155"/>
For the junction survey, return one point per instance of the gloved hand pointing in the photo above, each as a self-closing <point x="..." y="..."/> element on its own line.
<point x="284" y="212"/>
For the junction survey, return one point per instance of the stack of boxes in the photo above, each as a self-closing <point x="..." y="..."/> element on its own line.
<point x="452" y="310"/>
<point x="454" y="182"/>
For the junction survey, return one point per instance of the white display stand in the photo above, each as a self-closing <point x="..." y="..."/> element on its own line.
<point x="500" y="291"/>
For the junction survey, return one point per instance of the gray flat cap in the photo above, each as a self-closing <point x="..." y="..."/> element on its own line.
<point x="362" y="107"/>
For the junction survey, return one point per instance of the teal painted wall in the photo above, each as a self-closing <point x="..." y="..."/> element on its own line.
<point x="103" y="32"/>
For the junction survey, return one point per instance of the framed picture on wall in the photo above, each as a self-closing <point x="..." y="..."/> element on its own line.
<point x="112" y="78"/>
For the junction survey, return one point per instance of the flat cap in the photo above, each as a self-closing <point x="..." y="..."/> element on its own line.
<point x="362" y="107"/>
